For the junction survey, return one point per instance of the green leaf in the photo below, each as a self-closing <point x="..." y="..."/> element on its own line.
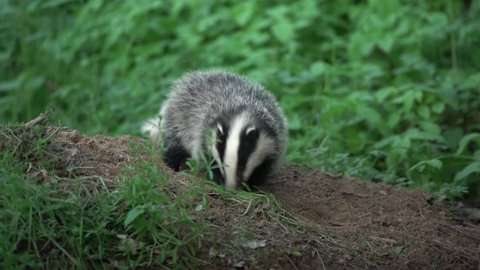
<point x="11" y="85"/>
<point x="424" y="112"/>
<point x="35" y="83"/>
<point x="133" y="214"/>
<point x="420" y="166"/>
<point x="386" y="43"/>
<point x="465" y="141"/>
<point x="318" y="68"/>
<point x="383" y="93"/>
<point x="416" y="134"/>
<point x="54" y="3"/>
<point x="436" y="163"/>
<point x="294" y="122"/>
<point x="243" y="12"/>
<point x="401" y="146"/>
<point x="472" y="81"/>
<point x="438" y="107"/>
<point x="433" y="129"/>
<point x="452" y="137"/>
<point x="473" y="167"/>
<point x="369" y="114"/>
<point x="385" y="141"/>
<point x="393" y="120"/>
<point x="283" y="30"/>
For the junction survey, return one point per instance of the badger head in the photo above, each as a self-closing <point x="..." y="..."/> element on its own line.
<point x="243" y="149"/>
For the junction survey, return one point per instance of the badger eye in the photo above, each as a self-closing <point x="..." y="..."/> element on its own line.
<point x="251" y="134"/>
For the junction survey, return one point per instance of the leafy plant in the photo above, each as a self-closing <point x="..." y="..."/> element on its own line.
<point x="383" y="90"/>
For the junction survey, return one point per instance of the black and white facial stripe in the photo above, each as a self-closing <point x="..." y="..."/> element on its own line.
<point x="240" y="147"/>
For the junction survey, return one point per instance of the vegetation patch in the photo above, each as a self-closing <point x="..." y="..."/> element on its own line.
<point x="381" y="90"/>
<point x="90" y="202"/>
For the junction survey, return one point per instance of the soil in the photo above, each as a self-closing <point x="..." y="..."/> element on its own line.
<point x="351" y="224"/>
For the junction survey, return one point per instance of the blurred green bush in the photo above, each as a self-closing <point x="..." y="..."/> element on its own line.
<point x="386" y="90"/>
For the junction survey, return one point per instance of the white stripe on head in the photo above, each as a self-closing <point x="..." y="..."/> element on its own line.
<point x="215" y="153"/>
<point x="231" y="151"/>
<point x="264" y="147"/>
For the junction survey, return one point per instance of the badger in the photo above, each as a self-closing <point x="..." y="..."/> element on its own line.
<point x="235" y="119"/>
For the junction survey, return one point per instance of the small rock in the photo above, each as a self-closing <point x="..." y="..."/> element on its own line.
<point x="255" y="244"/>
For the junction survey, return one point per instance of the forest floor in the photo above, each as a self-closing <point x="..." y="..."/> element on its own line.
<point x="330" y="221"/>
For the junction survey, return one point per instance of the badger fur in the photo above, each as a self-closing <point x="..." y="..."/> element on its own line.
<point x="233" y="118"/>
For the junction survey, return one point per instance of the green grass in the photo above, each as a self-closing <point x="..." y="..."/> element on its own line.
<point x="148" y="219"/>
<point x="53" y="222"/>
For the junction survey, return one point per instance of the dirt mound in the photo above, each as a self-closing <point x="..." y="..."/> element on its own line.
<point x="359" y="224"/>
<point x="395" y="228"/>
<point x="98" y="155"/>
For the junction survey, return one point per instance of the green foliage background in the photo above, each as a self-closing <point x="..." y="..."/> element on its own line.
<point x="385" y="90"/>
